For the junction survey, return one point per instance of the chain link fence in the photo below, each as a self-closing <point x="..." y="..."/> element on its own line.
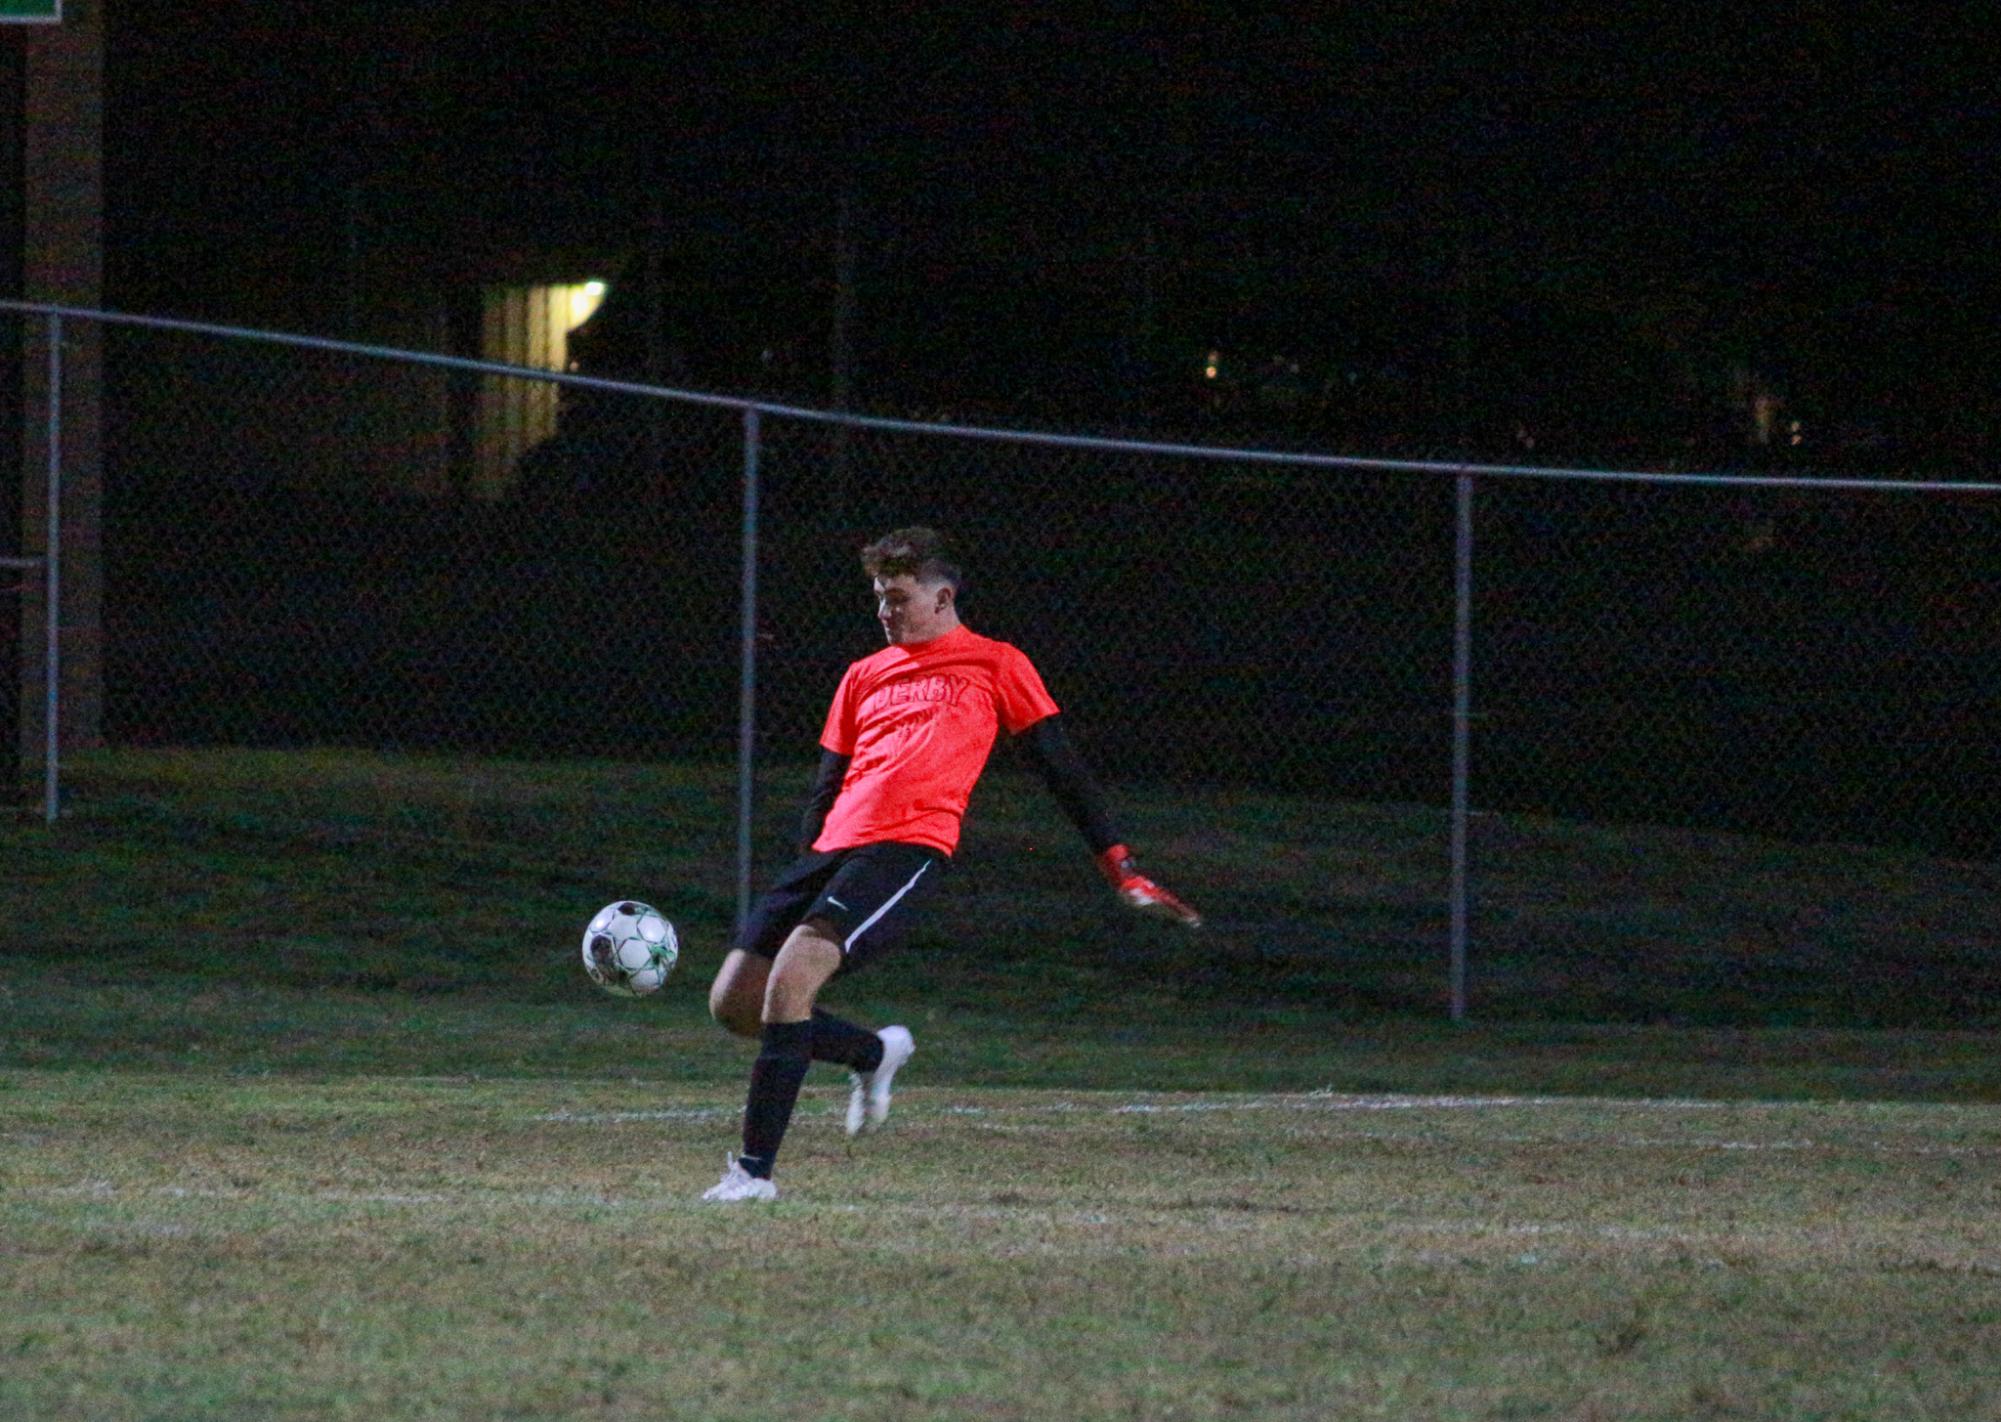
<point x="1694" y="703"/>
<point x="298" y="551"/>
<point x="1800" y="666"/>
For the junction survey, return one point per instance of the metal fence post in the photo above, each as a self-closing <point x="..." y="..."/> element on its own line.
<point x="1462" y="735"/>
<point x="52" y="584"/>
<point x="747" y="700"/>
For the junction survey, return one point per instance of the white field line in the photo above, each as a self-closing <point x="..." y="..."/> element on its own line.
<point x="1328" y="1102"/>
<point x="1310" y="1101"/>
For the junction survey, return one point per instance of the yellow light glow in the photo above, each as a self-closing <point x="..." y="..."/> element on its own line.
<point x="585" y="299"/>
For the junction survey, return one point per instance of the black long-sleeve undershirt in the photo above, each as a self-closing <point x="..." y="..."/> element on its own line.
<point x="1073" y="785"/>
<point x="820" y="799"/>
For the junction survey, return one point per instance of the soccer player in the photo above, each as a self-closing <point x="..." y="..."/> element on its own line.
<point x="906" y="738"/>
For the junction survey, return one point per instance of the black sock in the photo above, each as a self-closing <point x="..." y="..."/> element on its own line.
<point x="838" y="1040"/>
<point x="775" y="1076"/>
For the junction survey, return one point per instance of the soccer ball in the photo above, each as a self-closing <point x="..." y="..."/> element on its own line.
<point x="629" y="949"/>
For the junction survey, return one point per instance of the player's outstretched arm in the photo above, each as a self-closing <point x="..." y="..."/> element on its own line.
<point x="1077" y="792"/>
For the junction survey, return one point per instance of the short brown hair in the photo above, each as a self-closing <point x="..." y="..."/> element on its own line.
<point x="921" y="552"/>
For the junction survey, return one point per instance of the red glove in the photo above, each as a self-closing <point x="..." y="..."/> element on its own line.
<point x="1140" y="892"/>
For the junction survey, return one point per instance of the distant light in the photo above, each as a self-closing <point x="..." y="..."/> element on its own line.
<point x="1213" y="365"/>
<point x="585" y="299"/>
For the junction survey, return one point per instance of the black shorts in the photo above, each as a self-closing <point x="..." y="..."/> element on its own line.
<point x="867" y="894"/>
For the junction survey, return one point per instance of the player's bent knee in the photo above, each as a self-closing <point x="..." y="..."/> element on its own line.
<point x="736" y="1004"/>
<point x="737" y="995"/>
<point x="736" y="1015"/>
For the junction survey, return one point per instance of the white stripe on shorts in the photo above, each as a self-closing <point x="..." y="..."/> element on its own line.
<point x="870" y="921"/>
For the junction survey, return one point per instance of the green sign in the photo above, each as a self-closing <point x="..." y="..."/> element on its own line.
<point x="31" y="12"/>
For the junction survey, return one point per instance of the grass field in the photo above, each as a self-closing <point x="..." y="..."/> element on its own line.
<point x="307" y="1112"/>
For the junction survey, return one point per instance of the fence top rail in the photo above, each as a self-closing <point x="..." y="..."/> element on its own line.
<point x="1001" y="435"/>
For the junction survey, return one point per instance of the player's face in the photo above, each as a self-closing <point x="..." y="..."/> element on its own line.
<point x="910" y="611"/>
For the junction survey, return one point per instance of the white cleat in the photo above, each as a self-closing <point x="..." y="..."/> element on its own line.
<point x="739" y="1184"/>
<point x="868" y="1102"/>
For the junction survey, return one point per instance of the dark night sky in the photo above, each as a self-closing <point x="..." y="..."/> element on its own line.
<point x="1808" y="190"/>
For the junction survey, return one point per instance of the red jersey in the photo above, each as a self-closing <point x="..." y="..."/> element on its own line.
<point x="917" y="724"/>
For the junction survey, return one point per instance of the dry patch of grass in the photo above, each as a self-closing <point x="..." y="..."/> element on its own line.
<point x="438" y="1248"/>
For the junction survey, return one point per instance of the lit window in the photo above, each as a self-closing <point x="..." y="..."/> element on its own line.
<point x="525" y="326"/>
